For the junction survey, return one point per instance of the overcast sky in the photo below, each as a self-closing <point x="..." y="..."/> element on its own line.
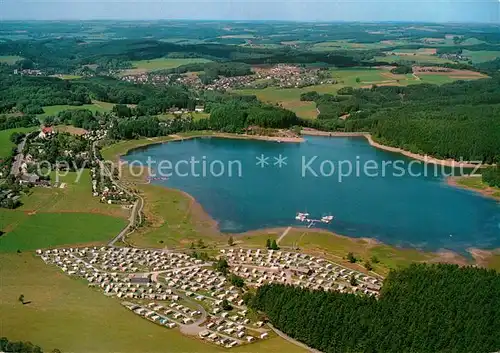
<point x="304" y="10"/>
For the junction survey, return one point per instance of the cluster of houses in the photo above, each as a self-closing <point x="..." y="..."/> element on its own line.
<point x="103" y="187"/>
<point x="169" y="289"/>
<point x="9" y="199"/>
<point x="28" y="72"/>
<point x="95" y="135"/>
<point x="151" y="78"/>
<point x="258" y="267"/>
<point x="177" y="290"/>
<point x="418" y="69"/>
<point x="281" y="75"/>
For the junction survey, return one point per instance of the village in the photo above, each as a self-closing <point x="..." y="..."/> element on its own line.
<point x="177" y="290"/>
<point x="281" y="75"/>
<point x="78" y="151"/>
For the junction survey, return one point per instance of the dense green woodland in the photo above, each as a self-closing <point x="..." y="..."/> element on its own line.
<point x="423" y="308"/>
<point x="457" y="120"/>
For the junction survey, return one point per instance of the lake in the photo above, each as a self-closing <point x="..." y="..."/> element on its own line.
<point x="248" y="184"/>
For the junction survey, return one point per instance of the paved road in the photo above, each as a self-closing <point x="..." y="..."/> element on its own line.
<point x="18" y="159"/>
<point x="283" y="235"/>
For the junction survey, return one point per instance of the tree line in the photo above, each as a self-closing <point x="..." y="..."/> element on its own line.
<point x="423" y="308"/>
<point x="456" y="120"/>
<point x="21" y="347"/>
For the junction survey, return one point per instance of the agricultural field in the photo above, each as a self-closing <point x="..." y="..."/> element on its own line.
<point x="9" y="59"/>
<point x="289" y="98"/>
<point x="59" y="216"/>
<point x="5" y="143"/>
<point x="346" y="45"/>
<point x="195" y="115"/>
<point x="417" y="57"/>
<point x="91" y="322"/>
<point x="481" y="56"/>
<point x="143" y="66"/>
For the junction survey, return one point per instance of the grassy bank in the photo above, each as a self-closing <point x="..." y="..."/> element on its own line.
<point x="475" y="183"/>
<point x="174" y="219"/>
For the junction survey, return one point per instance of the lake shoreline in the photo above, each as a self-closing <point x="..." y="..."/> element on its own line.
<point x="437" y="255"/>
<point x="424" y="158"/>
<point x="487" y="192"/>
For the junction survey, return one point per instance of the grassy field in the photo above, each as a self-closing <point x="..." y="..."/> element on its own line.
<point x="481" y="55"/>
<point x="9" y="59"/>
<point x="64" y="313"/>
<point x="76" y="196"/>
<point x="143" y="66"/>
<point x="55" y="109"/>
<point x="32" y="231"/>
<point x="60" y="216"/>
<point x="5" y="143"/>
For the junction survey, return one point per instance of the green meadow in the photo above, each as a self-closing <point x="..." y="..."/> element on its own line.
<point x="481" y="56"/>
<point x="5" y="143"/>
<point x="289" y="98"/>
<point x="40" y="230"/>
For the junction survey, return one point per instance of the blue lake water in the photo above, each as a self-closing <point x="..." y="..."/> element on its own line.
<point x="416" y="211"/>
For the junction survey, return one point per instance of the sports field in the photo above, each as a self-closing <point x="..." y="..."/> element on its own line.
<point x="5" y="143"/>
<point x="64" y="313"/>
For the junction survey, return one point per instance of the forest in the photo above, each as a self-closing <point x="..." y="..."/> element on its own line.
<point x="434" y="308"/>
<point x="457" y="120"/>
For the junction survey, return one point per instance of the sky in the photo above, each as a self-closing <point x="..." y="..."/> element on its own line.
<point x="293" y="10"/>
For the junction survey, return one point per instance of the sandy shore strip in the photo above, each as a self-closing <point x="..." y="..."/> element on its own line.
<point x="487" y="192"/>
<point x="424" y="158"/>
